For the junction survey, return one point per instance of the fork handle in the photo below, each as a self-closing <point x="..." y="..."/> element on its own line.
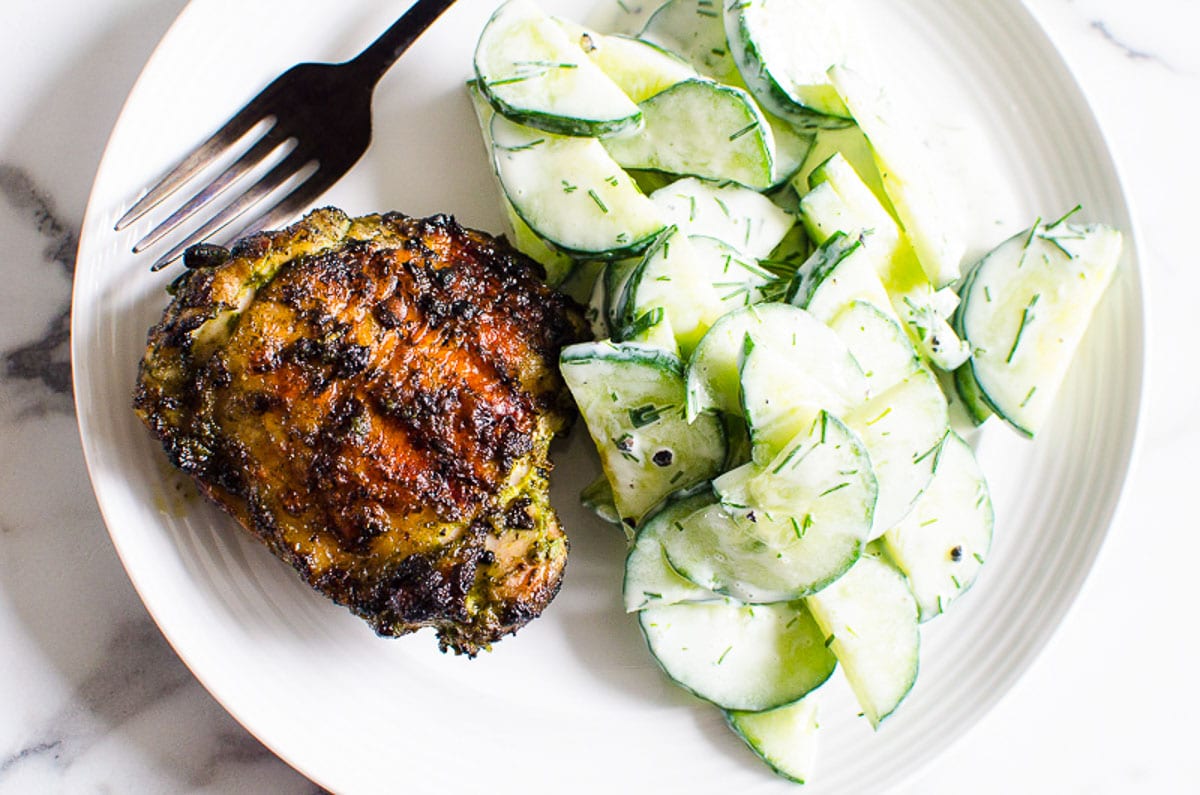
<point x="376" y="59"/>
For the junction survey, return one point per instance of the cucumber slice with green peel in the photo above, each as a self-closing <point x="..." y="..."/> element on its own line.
<point x="694" y="30"/>
<point x="968" y="391"/>
<point x="597" y="497"/>
<point x="532" y="72"/>
<point x="616" y="277"/>
<point x="654" y="330"/>
<point x="838" y="273"/>
<point x="736" y="215"/>
<point x="841" y="201"/>
<point x="581" y="283"/>
<point x="903" y="429"/>
<point x="785" y="737"/>
<point x="701" y="128"/>
<point x="869" y="618"/>
<point x="793" y="369"/>
<point x="791" y="149"/>
<point x="713" y="373"/>
<point x="942" y="544"/>
<point x="631" y="398"/>
<point x="1025" y="308"/>
<point x="878" y="344"/>
<point x="930" y="217"/>
<point x="666" y="279"/>
<point x="784" y="51"/>
<point x="558" y="266"/>
<point x="640" y="69"/>
<point x="571" y="193"/>
<point x="649" y="577"/>
<point x="785" y="530"/>
<point x="744" y="657"/>
<point x="852" y="145"/>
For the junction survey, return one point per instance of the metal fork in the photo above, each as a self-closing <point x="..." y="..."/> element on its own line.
<point x="322" y="110"/>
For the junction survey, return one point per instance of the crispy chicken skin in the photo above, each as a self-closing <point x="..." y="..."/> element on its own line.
<point x="373" y="398"/>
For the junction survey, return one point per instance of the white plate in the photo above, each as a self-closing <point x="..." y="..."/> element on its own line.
<point x="574" y="701"/>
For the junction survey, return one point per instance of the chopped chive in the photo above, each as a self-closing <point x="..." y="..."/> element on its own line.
<point x="928" y="522"/>
<point x="646" y="415"/>
<point x="1028" y="397"/>
<point x="1028" y="242"/>
<point x="596" y="199"/>
<point x="957" y="584"/>
<point x="978" y="558"/>
<point x="937" y="447"/>
<point x="743" y="131"/>
<point x="987" y="293"/>
<point x="1071" y="212"/>
<point x="1026" y="319"/>
<point x="506" y="81"/>
<point x="612" y="180"/>
<point x="692" y="210"/>
<point x="886" y="412"/>
<point x="722" y="205"/>
<point x="524" y="147"/>
<point x="838" y="487"/>
<point x="721" y="659"/>
<point x="568" y="187"/>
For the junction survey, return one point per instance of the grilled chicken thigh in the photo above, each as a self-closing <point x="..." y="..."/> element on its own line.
<point x="373" y="398"/>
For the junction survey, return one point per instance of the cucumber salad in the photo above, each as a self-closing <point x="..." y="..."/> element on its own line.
<point x="782" y="321"/>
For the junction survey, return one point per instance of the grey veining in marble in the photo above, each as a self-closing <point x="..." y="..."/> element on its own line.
<point x="45" y="359"/>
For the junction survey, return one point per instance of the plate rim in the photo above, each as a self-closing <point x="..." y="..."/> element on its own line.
<point x="1008" y="678"/>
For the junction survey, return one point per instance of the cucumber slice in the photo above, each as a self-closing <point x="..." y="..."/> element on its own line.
<point x="666" y="279"/>
<point x="745" y="657"/>
<point x="533" y="73"/>
<point x="581" y="283"/>
<point x="738" y="216"/>
<point x="737" y="280"/>
<point x="694" y="30"/>
<point x="558" y="266"/>
<point x="784" y="50"/>
<point x="968" y="391"/>
<point x="903" y="429"/>
<point x="869" y="618"/>
<point x="649" y="577"/>
<point x="878" y="344"/>
<point x="571" y="193"/>
<point x="929" y="215"/>
<point x="785" y="530"/>
<point x="851" y="144"/>
<point x="791" y="149"/>
<point x="941" y="545"/>
<point x="838" y="273"/>
<point x="702" y="128"/>
<point x="785" y="738"/>
<point x="616" y="277"/>
<point x="654" y="330"/>
<point x="631" y="398"/>
<point x="795" y="367"/>
<point x="1025" y="308"/>
<point x="640" y="69"/>
<point x="713" y="373"/>
<point x="849" y="206"/>
<point x="597" y="497"/>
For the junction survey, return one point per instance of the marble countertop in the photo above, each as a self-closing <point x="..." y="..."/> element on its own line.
<point x="96" y="701"/>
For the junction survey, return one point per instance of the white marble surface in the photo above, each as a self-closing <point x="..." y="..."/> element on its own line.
<point x="94" y="700"/>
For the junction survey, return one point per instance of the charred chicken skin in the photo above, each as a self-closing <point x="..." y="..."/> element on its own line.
<point x="373" y="398"/>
